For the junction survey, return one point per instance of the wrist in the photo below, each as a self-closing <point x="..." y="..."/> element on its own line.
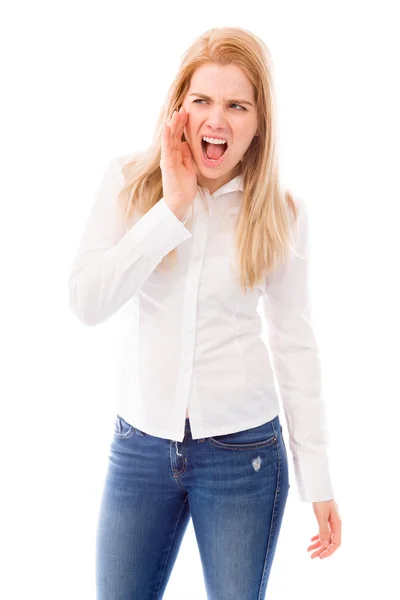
<point x="178" y="210"/>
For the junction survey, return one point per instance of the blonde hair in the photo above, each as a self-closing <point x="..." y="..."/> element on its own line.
<point x="263" y="230"/>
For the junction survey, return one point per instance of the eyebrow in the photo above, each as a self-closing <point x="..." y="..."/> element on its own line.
<point x="230" y="101"/>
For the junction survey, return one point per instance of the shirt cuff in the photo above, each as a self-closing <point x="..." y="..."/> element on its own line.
<point x="313" y="477"/>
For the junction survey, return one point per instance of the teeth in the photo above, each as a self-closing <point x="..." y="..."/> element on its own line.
<point x="214" y="140"/>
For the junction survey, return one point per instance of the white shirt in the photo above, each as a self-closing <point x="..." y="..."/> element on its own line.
<point x="190" y="337"/>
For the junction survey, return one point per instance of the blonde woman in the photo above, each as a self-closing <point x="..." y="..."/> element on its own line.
<point x="183" y="241"/>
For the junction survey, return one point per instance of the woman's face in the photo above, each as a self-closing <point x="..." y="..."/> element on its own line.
<point x="220" y="104"/>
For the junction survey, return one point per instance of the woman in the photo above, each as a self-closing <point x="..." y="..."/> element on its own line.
<point x="197" y="433"/>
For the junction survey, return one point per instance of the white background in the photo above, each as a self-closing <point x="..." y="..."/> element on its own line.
<point x="83" y="82"/>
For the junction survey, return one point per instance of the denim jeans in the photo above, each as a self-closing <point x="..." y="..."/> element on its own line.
<point x="233" y="486"/>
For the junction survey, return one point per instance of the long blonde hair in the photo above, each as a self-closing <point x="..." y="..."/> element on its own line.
<point x="263" y="230"/>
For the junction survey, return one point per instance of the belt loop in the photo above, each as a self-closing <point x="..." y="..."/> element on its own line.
<point x="176" y="444"/>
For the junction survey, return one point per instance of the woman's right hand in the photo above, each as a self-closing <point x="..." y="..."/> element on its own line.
<point x="179" y="176"/>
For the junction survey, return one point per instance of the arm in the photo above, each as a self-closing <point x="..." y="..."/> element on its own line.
<point x="295" y="357"/>
<point x="112" y="264"/>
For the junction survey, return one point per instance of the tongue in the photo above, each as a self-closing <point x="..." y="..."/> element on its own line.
<point x="215" y="151"/>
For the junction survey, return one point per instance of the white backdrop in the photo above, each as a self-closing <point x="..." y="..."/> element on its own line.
<point x="83" y="82"/>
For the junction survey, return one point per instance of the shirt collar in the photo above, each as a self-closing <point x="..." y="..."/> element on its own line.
<point x="234" y="185"/>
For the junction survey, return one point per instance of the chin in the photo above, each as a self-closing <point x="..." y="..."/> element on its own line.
<point x="212" y="173"/>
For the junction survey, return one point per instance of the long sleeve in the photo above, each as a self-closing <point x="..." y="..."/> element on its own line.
<point x="295" y="357"/>
<point x="111" y="263"/>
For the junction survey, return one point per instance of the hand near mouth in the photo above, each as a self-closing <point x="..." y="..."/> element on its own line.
<point x="179" y="175"/>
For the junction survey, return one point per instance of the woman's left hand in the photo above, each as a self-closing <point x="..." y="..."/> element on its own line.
<point x="330" y="529"/>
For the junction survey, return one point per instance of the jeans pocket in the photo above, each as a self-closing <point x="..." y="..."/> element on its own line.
<point x="247" y="439"/>
<point x="122" y="429"/>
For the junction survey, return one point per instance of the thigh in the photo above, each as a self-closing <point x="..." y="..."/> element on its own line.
<point x="142" y="518"/>
<point x="237" y="510"/>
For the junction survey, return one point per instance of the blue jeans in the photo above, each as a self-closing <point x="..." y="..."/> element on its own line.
<point x="233" y="486"/>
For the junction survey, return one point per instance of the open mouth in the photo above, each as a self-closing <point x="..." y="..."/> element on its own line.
<point x="213" y="153"/>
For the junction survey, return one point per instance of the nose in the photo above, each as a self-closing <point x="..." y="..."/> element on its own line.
<point x="216" y="118"/>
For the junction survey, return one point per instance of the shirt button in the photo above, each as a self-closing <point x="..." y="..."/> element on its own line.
<point x="202" y="223"/>
<point x="193" y="276"/>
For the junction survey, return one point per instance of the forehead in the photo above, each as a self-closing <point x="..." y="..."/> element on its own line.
<point x="210" y="78"/>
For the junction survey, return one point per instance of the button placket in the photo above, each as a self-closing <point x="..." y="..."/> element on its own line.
<point x="190" y="310"/>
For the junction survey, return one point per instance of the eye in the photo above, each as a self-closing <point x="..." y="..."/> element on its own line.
<point x="233" y="104"/>
<point x="239" y="105"/>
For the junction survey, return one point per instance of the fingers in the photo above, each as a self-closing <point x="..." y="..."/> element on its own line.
<point x="314" y="546"/>
<point x="187" y="157"/>
<point x="330" y="532"/>
<point x="172" y="124"/>
<point x="321" y="551"/>
<point x="177" y="124"/>
<point x="171" y="147"/>
<point x="336" y="526"/>
<point x="318" y="547"/>
<point x="167" y="153"/>
<point x="183" y="118"/>
<point x="333" y="546"/>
